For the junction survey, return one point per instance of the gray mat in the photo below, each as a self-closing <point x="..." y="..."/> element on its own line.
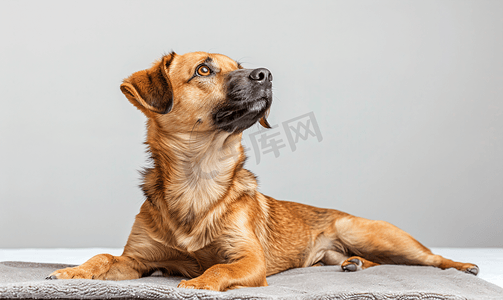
<point x="26" y="280"/>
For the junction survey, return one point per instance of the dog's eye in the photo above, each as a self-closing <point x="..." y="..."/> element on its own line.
<point x="203" y="71"/>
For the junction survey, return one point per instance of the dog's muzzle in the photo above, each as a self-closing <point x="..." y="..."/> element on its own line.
<point x="249" y="96"/>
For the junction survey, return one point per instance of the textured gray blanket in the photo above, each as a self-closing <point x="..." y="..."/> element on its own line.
<point x="26" y="280"/>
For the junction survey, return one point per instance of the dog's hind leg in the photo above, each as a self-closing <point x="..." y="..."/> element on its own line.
<point x="379" y="242"/>
<point x="104" y="267"/>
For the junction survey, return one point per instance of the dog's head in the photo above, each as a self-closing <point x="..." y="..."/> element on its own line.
<point x="211" y="91"/>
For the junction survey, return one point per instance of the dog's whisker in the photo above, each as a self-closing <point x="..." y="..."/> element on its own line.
<point x="276" y="98"/>
<point x="199" y="121"/>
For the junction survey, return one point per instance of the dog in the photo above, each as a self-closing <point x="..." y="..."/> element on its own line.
<point x="203" y="217"/>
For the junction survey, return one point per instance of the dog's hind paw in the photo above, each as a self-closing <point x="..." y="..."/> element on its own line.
<point x="472" y="270"/>
<point x="352" y="265"/>
<point x="356" y="263"/>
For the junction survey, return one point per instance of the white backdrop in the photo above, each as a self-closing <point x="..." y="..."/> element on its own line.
<point x="407" y="97"/>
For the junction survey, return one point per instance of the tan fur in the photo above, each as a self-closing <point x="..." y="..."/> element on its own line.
<point x="204" y="217"/>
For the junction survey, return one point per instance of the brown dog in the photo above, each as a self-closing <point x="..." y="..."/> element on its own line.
<point x="203" y="217"/>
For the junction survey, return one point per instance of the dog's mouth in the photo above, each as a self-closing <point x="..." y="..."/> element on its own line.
<point x="236" y="117"/>
<point x="249" y="96"/>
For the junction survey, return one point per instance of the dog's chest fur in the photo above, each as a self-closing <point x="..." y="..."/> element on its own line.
<point x="195" y="181"/>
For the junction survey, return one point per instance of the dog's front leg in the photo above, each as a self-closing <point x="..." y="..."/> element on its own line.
<point x="248" y="270"/>
<point x="101" y="266"/>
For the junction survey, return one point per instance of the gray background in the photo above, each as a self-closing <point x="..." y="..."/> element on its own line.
<point x="407" y="95"/>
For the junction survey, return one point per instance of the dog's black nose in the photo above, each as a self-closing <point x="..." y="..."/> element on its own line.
<point x="261" y="75"/>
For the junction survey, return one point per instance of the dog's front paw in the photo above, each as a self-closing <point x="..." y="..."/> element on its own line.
<point x="199" y="284"/>
<point x="70" y="273"/>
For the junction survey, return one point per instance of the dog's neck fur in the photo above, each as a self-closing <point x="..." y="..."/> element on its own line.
<point x="192" y="173"/>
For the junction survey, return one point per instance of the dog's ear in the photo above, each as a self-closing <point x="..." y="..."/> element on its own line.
<point x="150" y="90"/>
<point x="263" y="120"/>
